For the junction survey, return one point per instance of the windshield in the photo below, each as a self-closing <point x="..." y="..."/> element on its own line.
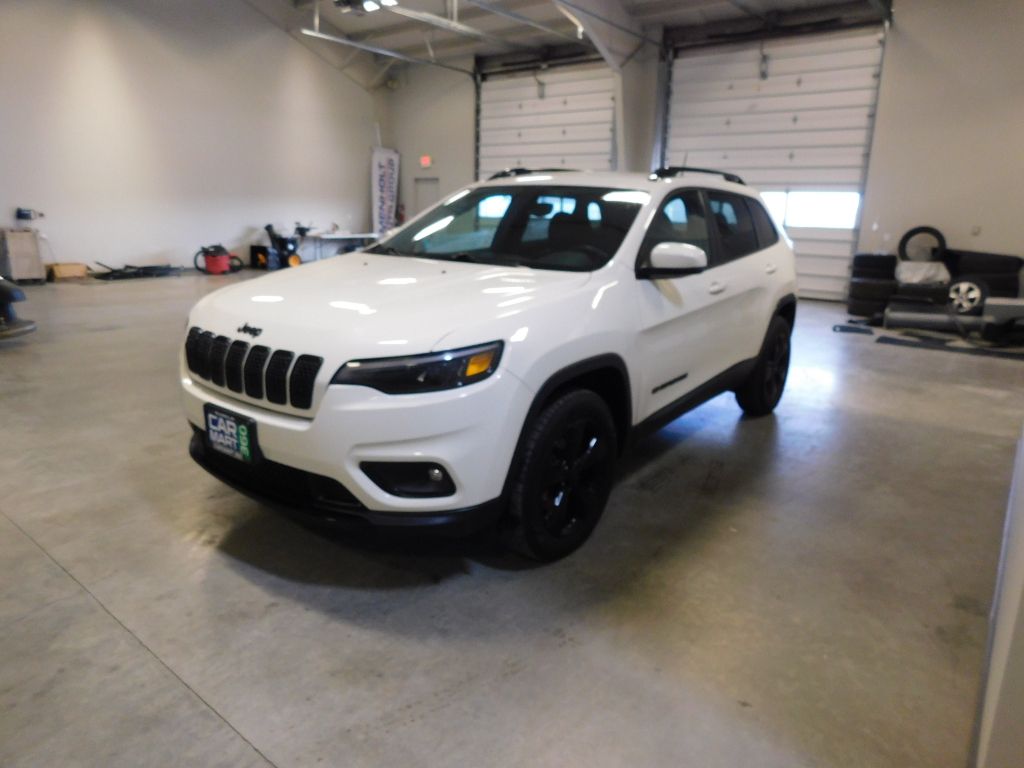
<point x="566" y="228"/>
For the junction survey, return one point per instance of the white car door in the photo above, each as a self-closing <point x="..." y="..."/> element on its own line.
<point x="741" y="276"/>
<point x="683" y="334"/>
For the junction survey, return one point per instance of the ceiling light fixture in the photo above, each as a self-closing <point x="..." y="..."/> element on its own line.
<point x="359" y="7"/>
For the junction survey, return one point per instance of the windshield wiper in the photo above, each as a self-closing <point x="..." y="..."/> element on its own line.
<point x="387" y="250"/>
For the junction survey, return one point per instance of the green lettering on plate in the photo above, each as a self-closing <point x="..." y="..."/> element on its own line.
<point x="243" y="441"/>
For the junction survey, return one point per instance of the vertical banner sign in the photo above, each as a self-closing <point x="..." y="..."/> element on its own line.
<point x="384" y="182"/>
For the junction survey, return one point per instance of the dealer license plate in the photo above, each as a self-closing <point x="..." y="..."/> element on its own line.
<point x="231" y="434"/>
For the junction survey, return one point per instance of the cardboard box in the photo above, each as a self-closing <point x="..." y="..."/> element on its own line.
<point x="66" y="271"/>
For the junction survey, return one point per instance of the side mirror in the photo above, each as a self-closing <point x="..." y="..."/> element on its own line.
<point x="674" y="260"/>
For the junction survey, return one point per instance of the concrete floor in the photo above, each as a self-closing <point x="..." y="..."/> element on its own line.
<point x="809" y="589"/>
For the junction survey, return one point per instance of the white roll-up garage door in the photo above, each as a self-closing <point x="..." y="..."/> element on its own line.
<point x="560" y="118"/>
<point x="790" y="116"/>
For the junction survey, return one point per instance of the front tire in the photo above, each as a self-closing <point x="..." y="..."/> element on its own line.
<point x="762" y="390"/>
<point x="563" y="482"/>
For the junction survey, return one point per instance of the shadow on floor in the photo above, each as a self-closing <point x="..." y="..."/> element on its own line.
<point x="661" y="469"/>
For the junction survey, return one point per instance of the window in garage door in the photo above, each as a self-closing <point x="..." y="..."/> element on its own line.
<point x="559" y="118"/>
<point x="793" y="117"/>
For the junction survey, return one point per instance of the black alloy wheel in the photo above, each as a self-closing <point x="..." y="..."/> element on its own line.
<point x="776" y="368"/>
<point x="763" y="389"/>
<point x="565" y="477"/>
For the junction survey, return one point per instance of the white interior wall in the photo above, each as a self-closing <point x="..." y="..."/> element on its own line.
<point x="144" y="128"/>
<point x="948" y="145"/>
<point x="430" y="111"/>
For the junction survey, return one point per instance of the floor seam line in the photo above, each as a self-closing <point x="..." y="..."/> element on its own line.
<point x="139" y="640"/>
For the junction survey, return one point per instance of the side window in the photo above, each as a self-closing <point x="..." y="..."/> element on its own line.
<point x="766" y="234"/>
<point x="734" y="224"/>
<point x="679" y="220"/>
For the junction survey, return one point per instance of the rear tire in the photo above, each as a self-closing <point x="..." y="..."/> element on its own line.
<point x="936" y="253"/>
<point x="763" y="389"/>
<point x="562" y="484"/>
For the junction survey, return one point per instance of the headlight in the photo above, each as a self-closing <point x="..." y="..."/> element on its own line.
<point x="423" y="373"/>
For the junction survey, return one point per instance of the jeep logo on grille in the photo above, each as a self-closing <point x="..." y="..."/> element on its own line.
<point x="254" y="332"/>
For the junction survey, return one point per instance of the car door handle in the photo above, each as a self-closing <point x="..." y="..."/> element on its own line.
<point x="770" y="269"/>
<point x="716" y="287"/>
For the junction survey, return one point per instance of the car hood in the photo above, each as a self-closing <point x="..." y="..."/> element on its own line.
<point x="363" y="305"/>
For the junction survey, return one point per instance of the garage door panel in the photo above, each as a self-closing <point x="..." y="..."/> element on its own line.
<point x="700" y="71"/>
<point x="804" y="126"/>
<point x="577" y="162"/>
<point x="583" y="132"/>
<point x="543" y="150"/>
<point x="555" y="105"/>
<point x="694" y="90"/>
<point x="815" y="233"/>
<point x="802" y="178"/>
<point x="779" y="140"/>
<point x="530" y="90"/>
<point x="860" y="97"/>
<point x="825" y="266"/>
<point x="555" y="76"/>
<point x="572" y="126"/>
<point x="781" y="122"/>
<point x="811" y="157"/>
<point x="586" y="117"/>
<point x="805" y="48"/>
<point x="823" y="248"/>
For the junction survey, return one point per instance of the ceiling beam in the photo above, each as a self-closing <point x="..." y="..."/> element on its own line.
<point x="520" y="18"/>
<point x="614" y="32"/>
<point x="382" y="51"/>
<point x="449" y="25"/>
<point x="746" y="8"/>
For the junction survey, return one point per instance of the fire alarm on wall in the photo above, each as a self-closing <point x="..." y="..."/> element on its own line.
<point x="426" y="161"/>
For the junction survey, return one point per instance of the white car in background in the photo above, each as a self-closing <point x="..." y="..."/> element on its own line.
<point x="490" y="360"/>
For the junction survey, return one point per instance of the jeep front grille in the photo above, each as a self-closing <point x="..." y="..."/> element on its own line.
<point x="278" y="376"/>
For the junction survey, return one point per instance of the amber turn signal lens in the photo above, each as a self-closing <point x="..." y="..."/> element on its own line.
<point x="480" y="363"/>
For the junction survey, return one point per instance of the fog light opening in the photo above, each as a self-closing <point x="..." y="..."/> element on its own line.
<point x="410" y="479"/>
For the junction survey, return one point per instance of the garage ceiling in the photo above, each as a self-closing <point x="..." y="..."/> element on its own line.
<point x="453" y="32"/>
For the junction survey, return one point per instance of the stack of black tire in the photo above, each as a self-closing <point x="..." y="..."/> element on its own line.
<point x="872" y="283"/>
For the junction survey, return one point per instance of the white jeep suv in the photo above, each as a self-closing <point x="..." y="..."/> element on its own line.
<point x="490" y="360"/>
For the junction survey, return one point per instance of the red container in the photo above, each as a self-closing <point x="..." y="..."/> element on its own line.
<point x="217" y="264"/>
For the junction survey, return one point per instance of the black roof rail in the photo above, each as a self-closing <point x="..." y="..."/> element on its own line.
<point x="508" y="172"/>
<point x="675" y="170"/>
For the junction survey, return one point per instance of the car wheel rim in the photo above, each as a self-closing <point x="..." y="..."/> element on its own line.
<point x="574" y="475"/>
<point x="964" y="296"/>
<point x="776" y="367"/>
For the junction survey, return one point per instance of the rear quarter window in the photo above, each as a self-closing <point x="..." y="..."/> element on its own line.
<point x="767" y="235"/>
<point x="731" y="218"/>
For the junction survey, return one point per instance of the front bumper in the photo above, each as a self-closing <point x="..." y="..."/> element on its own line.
<point x="322" y="501"/>
<point x="470" y="432"/>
